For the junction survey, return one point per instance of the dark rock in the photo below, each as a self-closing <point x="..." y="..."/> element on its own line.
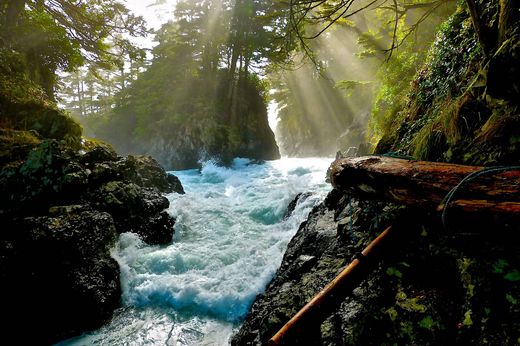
<point x="292" y="205"/>
<point x="135" y="210"/>
<point x="63" y="202"/>
<point x="427" y="290"/>
<point x="100" y="153"/>
<point x="58" y="274"/>
<point x="175" y="183"/>
<point x="61" y="212"/>
<point x="146" y="172"/>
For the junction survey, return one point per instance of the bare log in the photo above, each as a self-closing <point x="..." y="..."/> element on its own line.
<point x="423" y="183"/>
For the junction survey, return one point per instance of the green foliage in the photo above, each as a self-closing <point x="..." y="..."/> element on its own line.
<point x="392" y="271"/>
<point x="427" y="323"/>
<point x="396" y="74"/>
<point x="57" y="36"/>
<point x="449" y="112"/>
<point x="24" y="106"/>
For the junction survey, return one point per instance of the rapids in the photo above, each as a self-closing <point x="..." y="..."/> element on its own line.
<point x="230" y="237"/>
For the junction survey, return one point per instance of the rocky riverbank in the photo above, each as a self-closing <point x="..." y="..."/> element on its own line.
<point x="435" y="285"/>
<point x="431" y="288"/>
<point x="61" y="212"/>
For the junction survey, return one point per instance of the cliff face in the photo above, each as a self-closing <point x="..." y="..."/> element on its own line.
<point x="206" y="123"/>
<point x="434" y="286"/>
<point x="431" y="288"/>
<point x="63" y="203"/>
<point x="219" y="137"/>
<point x="61" y="213"/>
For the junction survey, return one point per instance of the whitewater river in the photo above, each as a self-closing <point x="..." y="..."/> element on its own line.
<point x="229" y="240"/>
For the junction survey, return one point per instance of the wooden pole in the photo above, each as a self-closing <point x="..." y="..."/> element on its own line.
<point x="336" y="288"/>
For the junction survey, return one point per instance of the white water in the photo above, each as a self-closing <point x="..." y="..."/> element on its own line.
<point x="229" y="240"/>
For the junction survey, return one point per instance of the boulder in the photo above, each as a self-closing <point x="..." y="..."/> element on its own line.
<point x="61" y="212"/>
<point x="58" y="274"/>
<point x="146" y="172"/>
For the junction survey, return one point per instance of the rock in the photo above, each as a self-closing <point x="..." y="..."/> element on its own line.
<point x="15" y="145"/>
<point x="427" y="290"/>
<point x="136" y="210"/>
<point x="58" y="274"/>
<point x="146" y="172"/>
<point x="292" y="205"/>
<point x="99" y="153"/>
<point x="61" y="212"/>
<point x="175" y="183"/>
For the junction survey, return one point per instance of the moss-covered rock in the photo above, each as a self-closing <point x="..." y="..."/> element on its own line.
<point x="61" y="211"/>
<point x="431" y="288"/>
<point x="24" y="106"/>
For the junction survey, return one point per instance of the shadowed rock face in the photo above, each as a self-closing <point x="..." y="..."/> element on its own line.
<point x="431" y="288"/>
<point x="61" y="212"/>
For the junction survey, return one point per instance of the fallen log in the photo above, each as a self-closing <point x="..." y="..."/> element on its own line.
<point x="425" y="184"/>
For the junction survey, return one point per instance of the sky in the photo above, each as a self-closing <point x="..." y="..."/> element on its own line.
<point x="155" y="12"/>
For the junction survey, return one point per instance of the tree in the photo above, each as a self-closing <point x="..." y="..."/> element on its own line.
<point x="62" y="34"/>
<point x="311" y="18"/>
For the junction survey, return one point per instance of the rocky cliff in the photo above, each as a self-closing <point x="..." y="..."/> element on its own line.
<point x="434" y="285"/>
<point x="206" y="123"/>
<point x="61" y="213"/>
<point x="64" y="201"/>
<point x="431" y="288"/>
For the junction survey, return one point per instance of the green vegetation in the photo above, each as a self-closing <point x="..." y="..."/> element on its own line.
<point x="24" y="106"/>
<point x="452" y="112"/>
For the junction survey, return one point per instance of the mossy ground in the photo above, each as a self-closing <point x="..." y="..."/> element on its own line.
<point x="24" y="106"/>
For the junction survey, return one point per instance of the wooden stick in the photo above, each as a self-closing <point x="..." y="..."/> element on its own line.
<point x="336" y="288"/>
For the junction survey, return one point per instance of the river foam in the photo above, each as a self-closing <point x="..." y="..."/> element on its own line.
<point x="229" y="240"/>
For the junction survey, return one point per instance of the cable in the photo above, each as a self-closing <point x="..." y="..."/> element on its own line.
<point x="446" y="201"/>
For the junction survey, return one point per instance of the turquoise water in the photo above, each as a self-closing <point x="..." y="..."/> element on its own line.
<point x="229" y="240"/>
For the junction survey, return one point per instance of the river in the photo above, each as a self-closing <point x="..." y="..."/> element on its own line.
<point x="230" y="237"/>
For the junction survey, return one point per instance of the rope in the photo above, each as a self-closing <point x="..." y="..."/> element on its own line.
<point x="446" y="201"/>
<point x="396" y="155"/>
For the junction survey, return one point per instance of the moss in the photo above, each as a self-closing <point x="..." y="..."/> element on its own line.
<point x="24" y="106"/>
<point x="15" y="145"/>
<point x="456" y="109"/>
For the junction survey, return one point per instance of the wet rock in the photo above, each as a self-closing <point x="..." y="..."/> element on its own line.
<point x="61" y="211"/>
<point x="58" y="274"/>
<point x="175" y="184"/>
<point x="136" y="210"/>
<point x="146" y="172"/>
<point x="429" y="288"/>
<point x="292" y="205"/>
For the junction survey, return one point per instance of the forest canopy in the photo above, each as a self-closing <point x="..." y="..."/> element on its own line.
<point x="328" y="68"/>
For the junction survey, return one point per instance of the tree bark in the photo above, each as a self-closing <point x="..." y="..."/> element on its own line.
<point x="425" y="184"/>
<point x="485" y="38"/>
<point x="507" y="18"/>
<point x="14" y="11"/>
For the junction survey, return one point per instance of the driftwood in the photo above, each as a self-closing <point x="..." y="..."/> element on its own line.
<point x="425" y="184"/>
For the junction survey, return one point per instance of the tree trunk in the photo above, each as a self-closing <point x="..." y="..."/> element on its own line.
<point x="425" y="184"/>
<point x="14" y="11"/>
<point x="507" y="18"/>
<point x="485" y="38"/>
